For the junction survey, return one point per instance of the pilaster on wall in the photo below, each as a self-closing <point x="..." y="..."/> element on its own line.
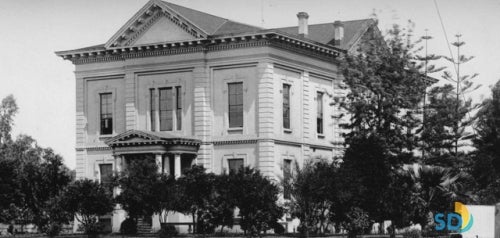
<point x="81" y="123"/>
<point x="205" y="156"/>
<point x="306" y="153"/>
<point x="265" y="99"/>
<point x="266" y="104"/>
<point x="306" y="106"/>
<point x="80" y="114"/>
<point x="130" y="109"/>
<point x="202" y="122"/>
<point x="266" y="163"/>
<point x="81" y="163"/>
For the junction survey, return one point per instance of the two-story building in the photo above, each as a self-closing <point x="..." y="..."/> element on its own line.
<point x="187" y="87"/>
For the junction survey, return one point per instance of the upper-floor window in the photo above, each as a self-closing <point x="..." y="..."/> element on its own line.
<point x="169" y="108"/>
<point x="178" y="107"/>
<point x="152" y="110"/>
<point x="166" y="109"/>
<point x="319" y="113"/>
<point x="286" y="106"/>
<point x="235" y="96"/>
<point x="106" y="114"/>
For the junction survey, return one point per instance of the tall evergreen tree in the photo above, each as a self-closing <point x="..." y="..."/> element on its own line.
<point x="486" y="169"/>
<point x="385" y="89"/>
<point x="464" y="84"/>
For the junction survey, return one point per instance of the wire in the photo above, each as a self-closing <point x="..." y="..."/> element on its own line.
<point x="453" y="59"/>
<point x="445" y="35"/>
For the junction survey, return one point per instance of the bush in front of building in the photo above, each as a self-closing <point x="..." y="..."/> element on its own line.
<point x="311" y="195"/>
<point x="52" y="229"/>
<point x="138" y="183"/>
<point x="196" y="191"/>
<point x="256" y="197"/>
<point x="87" y="200"/>
<point x="279" y="229"/>
<point x="168" y="231"/>
<point x="128" y="227"/>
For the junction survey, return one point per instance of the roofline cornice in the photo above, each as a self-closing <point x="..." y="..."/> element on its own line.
<point x="195" y="45"/>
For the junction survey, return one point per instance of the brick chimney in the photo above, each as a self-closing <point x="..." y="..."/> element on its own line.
<point x="303" y="16"/>
<point x="338" y="28"/>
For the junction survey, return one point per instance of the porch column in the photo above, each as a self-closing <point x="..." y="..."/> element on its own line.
<point x="166" y="165"/>
<point x="118" y="213"/>
<point x="177" y="165"/>
<point x="119" y="160"/>
<point x="159" y="162"/>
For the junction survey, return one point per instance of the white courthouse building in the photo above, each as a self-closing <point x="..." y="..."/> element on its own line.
<point x="187" y="87"/>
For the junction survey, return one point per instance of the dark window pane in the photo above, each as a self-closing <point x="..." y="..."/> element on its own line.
<point x="235" y="164"/>
<point x="319" y="113"/>
<point x="166" y="109"/>
<point x="106" y="171"/>
<point x="286" y="106"/>
<point x="106" y="113"/>
<point x="152" y="112"/>
<point x="235" y="101"/>
<point x="178" y="112"/>
<point x="287" y="175"/>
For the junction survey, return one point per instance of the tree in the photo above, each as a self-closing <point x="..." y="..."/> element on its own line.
<point x="427" y="67"/>
<point x="8" y="109"/>
<point x="51" y="180"/>
<point x="438" y="135"/>
<point x="9" y="190"/>
<point x="87" y="200"/>
<point x="386" y="90"/>
<point x="36" y="177"/>
<point x="197" y="188"/>
<point x="434" y="188"/>
<point x="385" y="87"/>
<point x="356" y="222"/>
<point x="41" y="177"/>
<point x="256" y="197"/>
<point x="168" y="195"/>
<point x="463" y="85"/>
<point x="367" y="171"/>
<point x="486" y="166"/>
<point x="311" y="188"/>
<point x="138" y="197"/>
<point x="222" y="203"/>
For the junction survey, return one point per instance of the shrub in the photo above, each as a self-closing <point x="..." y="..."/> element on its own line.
<point x="256" y="197"/>
<point x="168" y="231"/>
<point x="279" y="229"/>
<point x="88" y="199"/>
<point x="357" y="221"/>
<point x="52" y="229"/>
<point x="412" y="233"/>
<point x="92" y="228"/>
<point x="128" y="227"/>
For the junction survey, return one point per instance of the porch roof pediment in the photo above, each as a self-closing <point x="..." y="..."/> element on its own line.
<point x="140" y="138"/>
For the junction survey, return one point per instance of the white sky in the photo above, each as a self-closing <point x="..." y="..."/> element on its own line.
<point x="44" y="87"/>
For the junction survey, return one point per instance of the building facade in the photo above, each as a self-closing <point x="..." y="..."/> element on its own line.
<point x="186" y="87"/>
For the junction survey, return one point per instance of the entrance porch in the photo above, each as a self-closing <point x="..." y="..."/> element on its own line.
<point x="172" y="154"/>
